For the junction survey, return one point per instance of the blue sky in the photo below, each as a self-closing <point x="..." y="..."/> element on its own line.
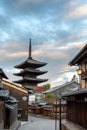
<point x="58" y="29"/>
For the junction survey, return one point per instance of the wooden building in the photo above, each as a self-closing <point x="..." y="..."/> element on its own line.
<point x="81" y="60"/>
<point x="77" y="108"/>
<point x="77" y="101"/>
<point x="21" y="94"/>
<point x="64" y="88"/>
<point x="8" y="107"/>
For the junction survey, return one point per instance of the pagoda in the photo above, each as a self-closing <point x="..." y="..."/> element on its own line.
<point x="30" y="71"/>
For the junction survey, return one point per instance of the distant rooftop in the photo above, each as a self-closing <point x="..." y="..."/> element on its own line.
<point x="68" y="86"/>
<point x="80" y="91"/>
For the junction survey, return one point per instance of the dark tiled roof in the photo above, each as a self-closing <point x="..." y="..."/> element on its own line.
<point x="79" y="56"/>
<point x="30" y="63"/>
<point x="34" y="80"/>
<point x="30" y="71"/>
<point x="65" y="85"/>
<point x="9" y="84"/>
<point x="80" y="91"/>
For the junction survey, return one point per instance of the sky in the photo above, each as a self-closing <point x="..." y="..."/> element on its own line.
<point x="57" y="28"/>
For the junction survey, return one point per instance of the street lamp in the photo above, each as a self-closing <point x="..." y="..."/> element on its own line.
<point x="60" y="97"/>
<point x="55" y="112"/>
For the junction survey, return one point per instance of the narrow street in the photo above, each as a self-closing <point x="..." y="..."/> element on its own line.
<point x="38" y="123"/>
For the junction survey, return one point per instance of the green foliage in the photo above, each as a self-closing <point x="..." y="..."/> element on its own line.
<point x="49" y="96"/>
<point x="46" y="86"/>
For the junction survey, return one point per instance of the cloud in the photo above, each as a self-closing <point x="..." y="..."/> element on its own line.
<point x="12" y="50"/>
<point x="53" y="51"/>
<point x="66" y="68"/>
<point x="78" y="12"/>
<point x="16" y="55"/>
<point x="50" y="51"/>
<point x="61" y="79"/>
<point x="25" y="2"/>
<point x="70" y="46"/>
<point x="55" y="27"/>
<point x="22" y="3"/>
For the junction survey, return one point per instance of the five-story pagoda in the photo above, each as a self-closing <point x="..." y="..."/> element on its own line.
<point x="30" y="72"/>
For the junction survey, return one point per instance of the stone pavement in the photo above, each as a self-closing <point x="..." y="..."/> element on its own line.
<point x="43" y="123"/>
<point x="38" y="123"/>
<point x="72" y="126"/>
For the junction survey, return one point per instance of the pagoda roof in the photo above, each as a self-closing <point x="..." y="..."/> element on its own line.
<point x="3" y="75"/>
<point x="79" y="57"/>
<point x="30" y="80"/>
<point x="30" y="71"/>
<point x="30" y="63"/>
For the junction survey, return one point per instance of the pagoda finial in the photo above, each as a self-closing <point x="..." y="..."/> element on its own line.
<point x="30" y="49"/>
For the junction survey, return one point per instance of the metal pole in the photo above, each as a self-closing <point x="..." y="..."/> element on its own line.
<point x="56" y="115"/>
<point x="60" y="115"/>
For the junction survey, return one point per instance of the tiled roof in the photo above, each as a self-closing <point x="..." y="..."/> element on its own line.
<point x="30" y="62"/>
<point x="19" y="88"/>
<point x="80" y="91"/>
<point x="34" y="80"/>
<point x="79" y="56"/>
<point x="67" y="86"/>
<point x="30" y="71"/>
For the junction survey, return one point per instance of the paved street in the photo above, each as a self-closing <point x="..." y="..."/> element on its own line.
<point x="38" y="123"/>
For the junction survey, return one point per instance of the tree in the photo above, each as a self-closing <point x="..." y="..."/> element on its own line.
<point x="50" y="96"/>
<point x="46" y="86"/>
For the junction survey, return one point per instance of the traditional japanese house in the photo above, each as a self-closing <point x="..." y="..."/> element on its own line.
<point x="81" y="61"/>
<point x="21" y="94"/>
<point x="64" y="88"/>
<point x="8" y="108"/>
<point x="77" y="101"/>
<point x="30" y="71"/>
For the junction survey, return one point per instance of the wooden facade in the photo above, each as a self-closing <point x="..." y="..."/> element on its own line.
<point x="77" y="101"/>
<point x="2" y="111"/>
<point x="77" y="109"/>
<point x="49" y="110"/>
<point x="21" y="95"/>
<point x="81" y="61"/>
<point x="8" y="107"/>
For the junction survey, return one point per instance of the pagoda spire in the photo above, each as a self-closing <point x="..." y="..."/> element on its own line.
<point x="30" y="49"/>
